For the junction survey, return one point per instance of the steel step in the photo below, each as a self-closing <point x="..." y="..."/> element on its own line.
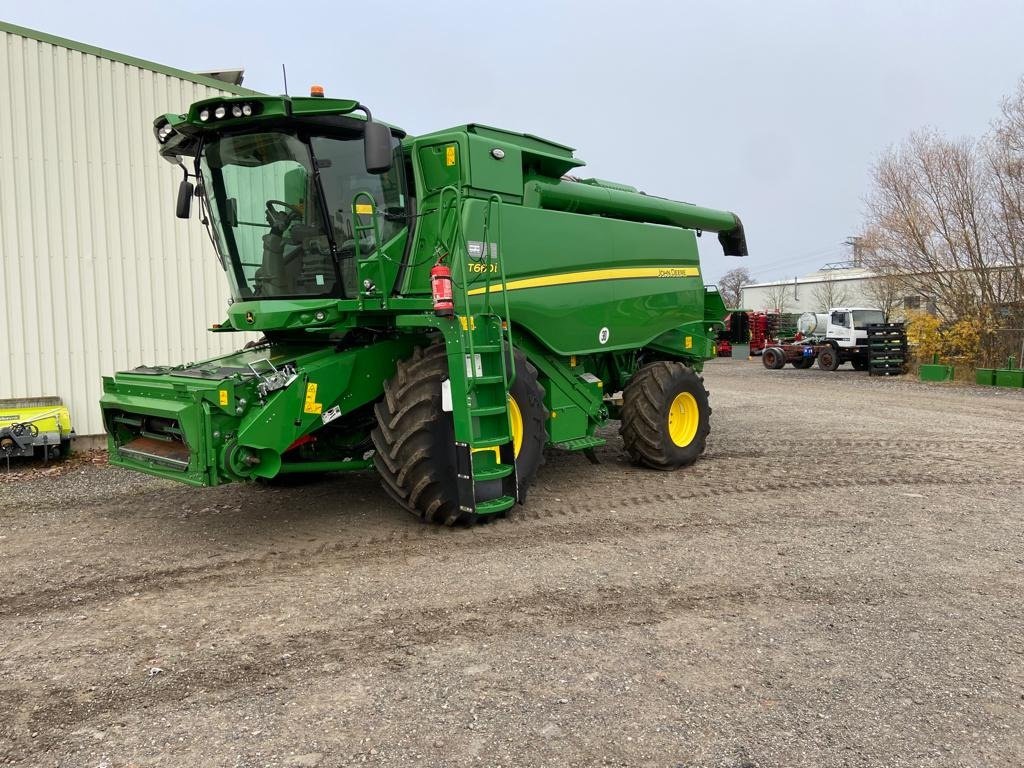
<point x="492" y="473"/>
<point x="490" y="410"/>
<point x="493" y="506"/>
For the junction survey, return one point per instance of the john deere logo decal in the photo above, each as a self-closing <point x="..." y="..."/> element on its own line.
<point x="250" y="318"/>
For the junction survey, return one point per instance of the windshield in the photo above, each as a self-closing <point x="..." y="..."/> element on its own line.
<point x="268" y="215"/>
<point x="863" y="317"/>
<point x="268" y="223"/>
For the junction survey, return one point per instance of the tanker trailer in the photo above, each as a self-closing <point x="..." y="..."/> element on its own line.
<point x="439" y="309"/>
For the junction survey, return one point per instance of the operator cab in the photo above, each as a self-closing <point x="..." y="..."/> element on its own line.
<point x="294" y="190"/>
<point x="282" y="207"/>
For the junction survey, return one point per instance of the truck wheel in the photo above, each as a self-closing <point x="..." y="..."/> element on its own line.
<point x="773" y="359"/>
<point x="828" y="359"/>
<point x="666" y="417"/>
<point x="414" y="439"/>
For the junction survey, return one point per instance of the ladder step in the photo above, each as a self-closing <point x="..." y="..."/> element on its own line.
<point x="485" y="347"/>
<point x="493" y="506"/>
<point x="491" y="410"/>
<point x="495" y="379"/>
<point x="581" y="444"/>
<point x="490" y="442"/>
<point x="492" y="473"/>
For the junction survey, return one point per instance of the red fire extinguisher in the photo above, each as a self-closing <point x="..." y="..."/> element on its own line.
<point x="441" y="288"/>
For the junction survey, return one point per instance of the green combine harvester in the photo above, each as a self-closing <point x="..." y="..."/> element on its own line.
<point x="441" y="308"/>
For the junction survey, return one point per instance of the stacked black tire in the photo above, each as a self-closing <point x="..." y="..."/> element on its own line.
<point x="887" y="345"/>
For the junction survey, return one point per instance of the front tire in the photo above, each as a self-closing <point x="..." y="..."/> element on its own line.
<point x="666" y="416"/>
<point x="414" y="439"/>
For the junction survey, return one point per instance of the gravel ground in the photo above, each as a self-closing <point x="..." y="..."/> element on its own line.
<point x="837" y="583"/>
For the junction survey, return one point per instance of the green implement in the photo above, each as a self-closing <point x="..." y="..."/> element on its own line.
<point x="438" y="308"/>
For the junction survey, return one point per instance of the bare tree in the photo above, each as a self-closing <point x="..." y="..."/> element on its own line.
<point x="830" y="293"/>
<point x="931" y="223"/>
<point x="1004" y="153"/>
<point x="777" y="298"/>
<point x="885" y="292"/>
<point x="731" y="282"/>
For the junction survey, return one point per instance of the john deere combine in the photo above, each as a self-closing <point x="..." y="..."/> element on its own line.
<point x="440" y="308"/>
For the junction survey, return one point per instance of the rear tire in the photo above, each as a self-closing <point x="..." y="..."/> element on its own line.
<point x="414" y="439"/>
<point x="666" y="417"/>
<point x="803" y="363"/>
<point x="828" y="359"/>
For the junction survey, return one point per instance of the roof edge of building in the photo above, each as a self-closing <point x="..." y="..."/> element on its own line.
<point x="132" y="61"/>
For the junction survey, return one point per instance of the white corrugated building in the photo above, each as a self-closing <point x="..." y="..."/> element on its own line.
<point x="96" y="273"/>
<point x="808" y="293"/>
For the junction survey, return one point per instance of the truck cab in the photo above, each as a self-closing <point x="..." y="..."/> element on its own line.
<point x="847" y="326"/>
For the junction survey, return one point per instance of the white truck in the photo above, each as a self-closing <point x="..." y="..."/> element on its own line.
<point x="844" y="330"/>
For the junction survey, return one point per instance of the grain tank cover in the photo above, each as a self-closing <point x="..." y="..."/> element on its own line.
<point x="547" y="157"/>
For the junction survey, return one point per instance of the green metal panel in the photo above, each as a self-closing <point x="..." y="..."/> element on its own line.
<point x="495" y="166"/>
<point x="1010" y="378"/>
<point x="935" y="372"/>
<point x="441" y="163"/>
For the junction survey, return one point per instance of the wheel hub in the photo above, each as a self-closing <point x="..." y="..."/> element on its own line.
<point x="683" y="419"/>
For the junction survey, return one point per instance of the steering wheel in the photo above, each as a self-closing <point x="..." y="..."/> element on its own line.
<point x="280" y="220"/>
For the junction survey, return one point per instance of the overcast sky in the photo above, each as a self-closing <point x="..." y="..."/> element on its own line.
<point x="774" y="110"/>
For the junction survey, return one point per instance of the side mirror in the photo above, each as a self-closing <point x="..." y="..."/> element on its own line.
<point x="377" y="147"/>
<point x="183" y="209"/>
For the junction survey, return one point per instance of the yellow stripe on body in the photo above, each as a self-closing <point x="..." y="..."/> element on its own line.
<point x="593" y="275"/>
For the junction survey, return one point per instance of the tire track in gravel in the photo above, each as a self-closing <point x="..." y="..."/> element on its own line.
<point x="591" y="520"/>
<point x="391" y="639"/>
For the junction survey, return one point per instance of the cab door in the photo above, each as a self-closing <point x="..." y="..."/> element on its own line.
<point x="840" y="328"/>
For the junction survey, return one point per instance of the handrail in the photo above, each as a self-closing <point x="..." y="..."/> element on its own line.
<point x="373" y="226"/>
<point x="458" y="238"/>
<point x="500" y="259"/>
<point x="459" y="247"/>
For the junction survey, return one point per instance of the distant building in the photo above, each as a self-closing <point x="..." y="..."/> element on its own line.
<point x="817" y="291"/>
<point x="96" y="273"/>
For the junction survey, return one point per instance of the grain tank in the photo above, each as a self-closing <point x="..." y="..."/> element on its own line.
<point x="439" y="309"/>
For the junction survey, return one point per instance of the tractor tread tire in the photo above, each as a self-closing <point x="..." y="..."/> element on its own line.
<point x="414" y="443"/>
<point x="407" y="422"/>
<point x="644" y="427"/>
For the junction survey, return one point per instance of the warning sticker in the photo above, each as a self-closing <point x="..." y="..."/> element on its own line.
<point x="311" y="405"/>
<point x="331" y="414"/>
<point x="449" y="155"/>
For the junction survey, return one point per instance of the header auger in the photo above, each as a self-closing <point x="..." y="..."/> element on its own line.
<point x="438" y="308"/>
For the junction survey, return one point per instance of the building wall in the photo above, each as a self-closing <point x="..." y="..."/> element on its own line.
<point x="803" y="295"/>
<point x="96" y="273"/>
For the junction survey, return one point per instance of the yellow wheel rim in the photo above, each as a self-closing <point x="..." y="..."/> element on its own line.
<point x="683" y="419"/>
<point x="515" y="423"/>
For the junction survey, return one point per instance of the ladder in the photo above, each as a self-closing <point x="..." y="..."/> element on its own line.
<point x="480" y="361"/>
